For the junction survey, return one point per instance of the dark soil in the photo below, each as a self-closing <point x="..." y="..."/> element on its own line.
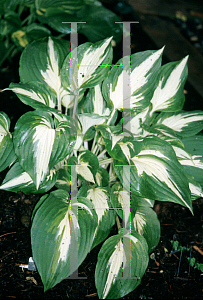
<point x="162" y="280"/>
<point x="167" y="276"/>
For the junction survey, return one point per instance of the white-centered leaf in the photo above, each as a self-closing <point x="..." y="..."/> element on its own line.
<point x="125" y="149"/>
<point x="85" y="172"/>
<point x="155" y="172"/>
<point x="52" y="74"/>
<point x="61" y="235"/>
<point x="114" y="264"/>
<point x="86" y="66"/>
<point x="40" y="144"/>
<point x="196" y="190"/>
<point x="146" y="223"/>
<point x="119" y="253"/>
<point x="92" y="58"/>
<point x="106" y="216"/>
<point x="99" y="196"/>
<point x="34" y="94"/>
<point x="172" y="78"/>
<point x="43" y="140"/>
<point x="3" y="129"/>
<point x="139" y="222"/>
<point x="115" y="138"/>
<point x="124" y="200"/>
<point x="185" y="123"/>
<point x="193" y="163"/>
<point x="87" y="165"/>
<point x="17" y="180"/>
<point x="99" y="199"/>
<point x="152" y="163"/>
<point x="45" y="68"/>
<point x="7" y="154"/>
<point x="142" y="66"/>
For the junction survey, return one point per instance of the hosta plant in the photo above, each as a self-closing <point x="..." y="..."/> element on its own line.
<point x="102" y="169"/>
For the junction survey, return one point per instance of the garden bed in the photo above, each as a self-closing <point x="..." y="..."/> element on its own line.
<point x="159" y="282"/>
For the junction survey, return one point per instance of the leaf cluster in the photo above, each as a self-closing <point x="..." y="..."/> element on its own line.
<point x="23" y="21"/>
<point x="102" y="169"/>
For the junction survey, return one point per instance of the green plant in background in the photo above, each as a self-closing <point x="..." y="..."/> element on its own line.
<point x="22" y="21"/>
<point x="177" y="247"/>
<point x="75" y="131"/>
<point x="192" y="260"/>
<point x="195" y="264"/>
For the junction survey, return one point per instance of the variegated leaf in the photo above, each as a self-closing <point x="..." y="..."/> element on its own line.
<point x="194" y="166"/>
<point x="102" y="177"/>
<point x="35" y="94"/>
<point x="45" y="68"/>
<point x="61" y="235"/>
<point x="136" y="121"/>
<point x="90" y="67"/>
<point x="7" y="154"/>
<point x="146" y="223"/>
<point x="88" y="165"/>
<point x="117" y="145"/>
<point x="143" y="67"/>
<point x="185" y="123"/>
<point x="156" y="174"/>
<point x="120" y="200"/>
<point x="186" y="160"/>
<point x="94" y="103"/>
<point x="63" y="181"/>
<point x="17" y="180"/>
<point x="195" y="188"/>
<point x="41" y="142"/>
<point x="122" y="254"/>
<point x="168" y="95"/>
<point x="99" y="196"/>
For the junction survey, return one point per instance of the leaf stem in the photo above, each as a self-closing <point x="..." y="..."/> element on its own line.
<point x="106" y="161"/>
<point x="118" y="223"/>
<point x="102" y="153"/>
<point x="95" y="147"/>
<point x="75" y="107"/>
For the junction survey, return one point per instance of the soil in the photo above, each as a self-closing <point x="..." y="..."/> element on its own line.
<point x="168" y="275"/>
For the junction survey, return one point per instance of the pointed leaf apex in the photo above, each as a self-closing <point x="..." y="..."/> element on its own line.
<point x="108" y="40"/>
<point x="162" y="49"/>
<point x="185" y="59"/>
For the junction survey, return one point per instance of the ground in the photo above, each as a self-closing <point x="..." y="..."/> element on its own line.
<point x="159" y="282"/>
